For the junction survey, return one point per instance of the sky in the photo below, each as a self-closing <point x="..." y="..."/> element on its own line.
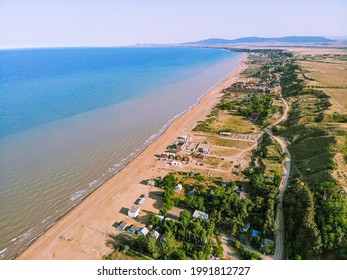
<point x="64" y="23"/>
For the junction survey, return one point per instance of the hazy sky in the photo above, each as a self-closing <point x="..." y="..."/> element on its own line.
<point x="46" y="23"/>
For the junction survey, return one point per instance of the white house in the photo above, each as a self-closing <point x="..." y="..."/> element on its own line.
<point x="178" y="188"/>
<point x="155" y="234"/>
<point x="176" y="163"/>
<point x="142" y="231"/>
<point x="198" y="214"/>
<point x="134" y="211"/>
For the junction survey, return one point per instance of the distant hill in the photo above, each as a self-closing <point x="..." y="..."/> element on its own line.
<point x="249" y="40"/>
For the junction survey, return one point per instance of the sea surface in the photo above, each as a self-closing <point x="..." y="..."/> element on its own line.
<point x="72" y="118"/>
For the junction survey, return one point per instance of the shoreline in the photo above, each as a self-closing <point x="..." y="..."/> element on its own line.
<point x="81" y="232"/>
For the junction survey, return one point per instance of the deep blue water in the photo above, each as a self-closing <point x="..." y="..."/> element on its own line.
<point x="42" y="85"/>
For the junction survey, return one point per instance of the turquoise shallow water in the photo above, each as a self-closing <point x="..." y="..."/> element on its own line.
<point x="72" y="118"/>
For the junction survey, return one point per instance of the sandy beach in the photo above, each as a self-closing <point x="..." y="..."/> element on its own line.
<point x="82" y="233"/>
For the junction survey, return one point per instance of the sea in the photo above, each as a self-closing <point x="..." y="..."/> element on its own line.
<point x="71" y="118"/>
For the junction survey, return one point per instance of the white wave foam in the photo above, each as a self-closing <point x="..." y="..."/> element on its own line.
<point x="77" y="194"/>
<point x="44" y="220"/>
<point x="93" y="183"/>
<point x="24" y="235"/>
<point x="3" y="251"/>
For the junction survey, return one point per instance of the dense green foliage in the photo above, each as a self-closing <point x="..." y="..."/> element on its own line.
<point x="315" y="209"/>
<point x="245" y="253"/>
<point x="303" y="238"/>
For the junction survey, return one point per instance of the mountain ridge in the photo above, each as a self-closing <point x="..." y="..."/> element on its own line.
<point x="286" y="39"/>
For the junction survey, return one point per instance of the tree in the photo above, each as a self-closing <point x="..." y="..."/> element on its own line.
<point x="168" y="246"/>
<point x="185" y="217"/>
<point x="217" y="251"/>
<point x="152" y="248"/>
<point x="302" y="231"/>
<point x="154" y="220"/>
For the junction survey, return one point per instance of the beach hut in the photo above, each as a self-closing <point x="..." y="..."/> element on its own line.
<point x="133" y="229"/>
<point x="134" y="211"/>
<point x="142" y="231"/>
<point x="122" y="225"/>
<point x="178" y="188"/>
<point x="198" y="214"/>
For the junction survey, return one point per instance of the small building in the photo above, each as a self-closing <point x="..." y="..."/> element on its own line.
<point x="162" y="238"/>
<point x="155" y="234"/>
<point x="161" y="218"/>
<point x="178" y="188"/>
<point x="142" y="201"/>
<point x="268" y="242"/>
<point x="134" y="211"/>
<point x="176" y="163"/>
<point x="254" y="117"/>
<point x="198" y="214"/>
<point x="122" y="225"/>
<point x="183" y="137"/>
<point x="246" y="228"/>
<point x="255" y="233"/>
<point x="151" y="182"/>
<point x="133" y="229"/>
<point x="158" y="193"/>
<point x="142" y="231"/>
<point x="225" y="133"/>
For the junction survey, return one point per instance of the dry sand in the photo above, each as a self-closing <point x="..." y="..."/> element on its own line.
<point x="81" y="233"/>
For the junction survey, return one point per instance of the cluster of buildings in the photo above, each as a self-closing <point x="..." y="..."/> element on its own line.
<point x="248" y="89"/>
<point x="184" y="151"/>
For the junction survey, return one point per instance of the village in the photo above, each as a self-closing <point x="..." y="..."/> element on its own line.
<point x="215" y="160"/>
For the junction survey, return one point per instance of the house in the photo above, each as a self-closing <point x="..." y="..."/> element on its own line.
<point x="176" y="163"/>
<point x="268" y="242"/>
<point x="133" y="229"/>
<point x="122" y="225"/>
<point x="155" y="234"/>
<point x="178" y="188"/>
<point x="142" y="231"/>
<point x="198" y="214"/>
<point x="254" y="117"/>
<point x="142" y="201"/>
<point x="192" y="192"/>
<point x="134" y="211"/>
<point x="246" y="228"/>
<point x="151" y="182"/>
<point x="162" y="238"/>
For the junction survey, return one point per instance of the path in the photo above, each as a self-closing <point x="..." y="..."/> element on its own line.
<point x="279" y="250"/>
